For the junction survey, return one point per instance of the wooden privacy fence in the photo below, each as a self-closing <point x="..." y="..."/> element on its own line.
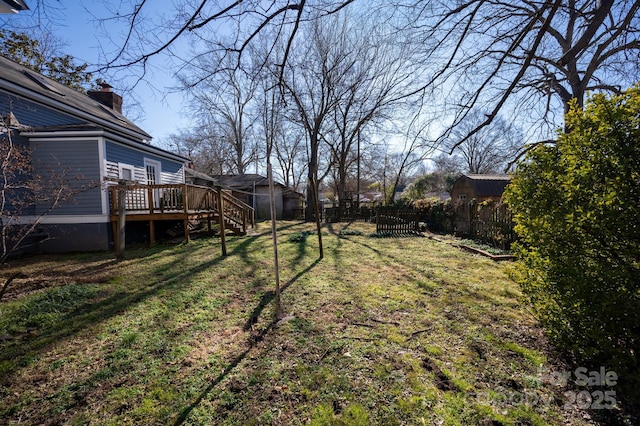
<point x="489" y="221"/>
<point x="439" y="217"/>
<point x="397" y="221"/>
<point x="351" y="214"/>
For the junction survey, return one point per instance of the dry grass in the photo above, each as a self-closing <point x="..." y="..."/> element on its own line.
<point x="381" y="331"/>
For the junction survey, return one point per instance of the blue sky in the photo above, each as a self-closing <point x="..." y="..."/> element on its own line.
<point x="162" y="112"/>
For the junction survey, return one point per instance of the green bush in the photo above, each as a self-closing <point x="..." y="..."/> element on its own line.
<point x="577" y="210"/>
<point x="438" y="215"/>
<point x="351" y="232"/>
<point x="299" y="237"/>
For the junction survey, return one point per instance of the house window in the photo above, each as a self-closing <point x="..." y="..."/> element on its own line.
<point x="463" y="197"/>
<point x="126" y="172"/>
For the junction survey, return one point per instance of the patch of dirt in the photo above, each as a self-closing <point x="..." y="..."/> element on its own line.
<point x="442" y="381"/>
<point x="30" y="282"/>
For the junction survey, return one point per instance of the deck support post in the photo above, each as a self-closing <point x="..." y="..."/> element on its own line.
<point x="187" y="237"/>
<point x="152" y="232"/>
<point x="122" y="221"/>
<point x="130" y="201"/>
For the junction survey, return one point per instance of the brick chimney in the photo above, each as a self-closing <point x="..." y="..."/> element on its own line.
<point x="107" y="97"/>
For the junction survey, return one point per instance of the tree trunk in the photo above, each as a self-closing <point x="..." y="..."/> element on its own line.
<point x="312" y="182"/>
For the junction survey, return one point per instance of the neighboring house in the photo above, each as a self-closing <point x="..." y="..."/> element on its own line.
<point x="479" y="187"/>
<point x="253" y="189"/>
<point x="86" y="138"/>
<point x="194" y="177"/>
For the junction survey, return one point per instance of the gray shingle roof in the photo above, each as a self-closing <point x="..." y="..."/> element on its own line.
<point x="14" y="78"/>
<point x="241" y="182"/>
<point x="246" y="183"/>
<point x="489" y="185"/>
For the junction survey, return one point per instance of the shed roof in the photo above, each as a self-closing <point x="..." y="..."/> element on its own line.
<point x="246" y="182"/>
<point x="488" y="185"/>
<point x="241" y="182"/>
<point x="198" y="175"/>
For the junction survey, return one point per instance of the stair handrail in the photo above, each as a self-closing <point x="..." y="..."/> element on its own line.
<point x="249" y="211"/>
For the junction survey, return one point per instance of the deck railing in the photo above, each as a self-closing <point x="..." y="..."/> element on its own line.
<point x="179" y="198"/>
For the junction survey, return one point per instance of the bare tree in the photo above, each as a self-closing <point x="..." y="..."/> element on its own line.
<point x="17" y="189"/>
<point x="492" y="149"/>
<point x="447" y="164"/>
<point x="311" y="83"/>
<point x="223" y="102"/>
<point x="400" y="165"/>
<point x="531" y="58"/>
<point x="204" y="147"/>
<point x="406" y="157"/>
<point x="285" y="138"/>
<point x="281" y="137"/>
<point x="289" y="153"/>
<point x="228" y="29"/>
<point x="371" y="90"/>
<point x="528" y="57"/>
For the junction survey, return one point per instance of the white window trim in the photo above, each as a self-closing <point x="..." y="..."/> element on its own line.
<point x="122" y="167"/>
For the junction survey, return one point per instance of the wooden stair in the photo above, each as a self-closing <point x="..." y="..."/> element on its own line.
<point x="236" y="228"/>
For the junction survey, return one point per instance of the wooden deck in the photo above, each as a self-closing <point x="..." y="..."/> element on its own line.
<point x="177" y="202"/>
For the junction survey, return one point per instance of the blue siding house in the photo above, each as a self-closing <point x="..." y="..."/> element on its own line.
<point x="85" y="141"/>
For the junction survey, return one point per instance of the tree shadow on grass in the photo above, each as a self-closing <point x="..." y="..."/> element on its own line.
<point x="105" y="303"/>
<point x="266" y="298"/>
<point x="100" y="307"/>
<point x="301" y="251"/>
<point x="331" y="230"/>
<point x="403" y="264"/>
<point x="184" y="414"/>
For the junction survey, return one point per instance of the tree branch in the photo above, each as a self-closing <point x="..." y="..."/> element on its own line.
<point x="144" y="58"/>
<point x="599" y="14"/>
<point x="527" y="149"/>
<point x="529" y="58"/>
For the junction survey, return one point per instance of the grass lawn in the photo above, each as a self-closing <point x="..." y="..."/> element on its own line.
<point x="405" y="331"/>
